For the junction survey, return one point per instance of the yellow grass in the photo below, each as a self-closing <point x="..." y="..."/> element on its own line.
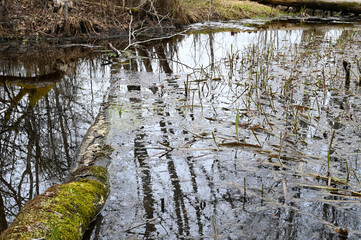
<point x="200" y="10"/>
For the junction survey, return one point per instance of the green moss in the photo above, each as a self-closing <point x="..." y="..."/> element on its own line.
<point x="101" y="173"/>
<point x="63" y="212"/>
<point x="77" y="205"/>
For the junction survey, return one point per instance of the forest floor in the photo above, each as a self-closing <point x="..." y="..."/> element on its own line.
<point x="34" y="19"/>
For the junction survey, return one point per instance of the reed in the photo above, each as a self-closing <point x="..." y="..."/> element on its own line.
<point x="329" y="153"/>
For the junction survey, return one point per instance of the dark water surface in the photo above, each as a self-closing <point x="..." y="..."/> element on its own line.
<point x="217" y="135"/>
<point x="183" y="170"/>
<point x="44" y="114"/>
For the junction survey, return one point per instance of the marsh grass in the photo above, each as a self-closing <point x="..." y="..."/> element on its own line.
<point x="329" y="154"/>
<point x="276" y="100"/>
<point x="290" y="103"/>
<point x="259" y="117"/>
<point x="201" y="10"/>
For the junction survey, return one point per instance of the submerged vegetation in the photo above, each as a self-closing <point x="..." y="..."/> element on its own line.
<point x="258" y="130"/>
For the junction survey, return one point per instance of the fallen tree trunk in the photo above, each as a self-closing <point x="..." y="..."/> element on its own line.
<point x="64" y="211"/>
<point x="348" y="6"/>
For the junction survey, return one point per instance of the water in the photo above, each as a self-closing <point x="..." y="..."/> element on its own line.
<point x="181" y="168"/>
<point x="42" y="121"/>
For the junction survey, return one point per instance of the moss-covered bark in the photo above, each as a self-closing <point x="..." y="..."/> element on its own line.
<point x="64" y="211"/>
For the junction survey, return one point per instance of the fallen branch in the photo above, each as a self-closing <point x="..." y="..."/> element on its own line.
<point x="155" y="39"/>
<point x="117" y="52"/>
<point x="348" y="6"/>
<point x="64" y="211"/>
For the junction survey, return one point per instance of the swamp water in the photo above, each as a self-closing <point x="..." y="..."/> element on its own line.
<point x="233" y="143"/>
<point x="217" y="135"/>
<point x="44" y="114"/>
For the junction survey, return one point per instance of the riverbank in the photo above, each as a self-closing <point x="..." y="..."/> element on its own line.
<point x="39" y="19"/>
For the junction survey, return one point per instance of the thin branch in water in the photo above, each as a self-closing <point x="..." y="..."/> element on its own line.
<point x="141" y="224"/>
<point x="215" y="228"/>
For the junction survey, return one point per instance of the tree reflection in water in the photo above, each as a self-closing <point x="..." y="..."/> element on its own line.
<point x="45" y="111"/>
<point x="168" y="179"/>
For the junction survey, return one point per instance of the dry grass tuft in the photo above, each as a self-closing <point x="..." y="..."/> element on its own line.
<point x="201" y="10"/>
<point x="86" y="17"/>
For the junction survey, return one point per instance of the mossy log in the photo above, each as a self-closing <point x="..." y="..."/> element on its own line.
<point x="347" y="6"/>
<point x="64" y="211"/>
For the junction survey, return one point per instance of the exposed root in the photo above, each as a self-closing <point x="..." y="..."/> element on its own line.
<point x="74" y="26"/>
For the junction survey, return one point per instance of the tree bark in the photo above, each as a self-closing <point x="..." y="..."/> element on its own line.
<point x="64" y="211"/>
<point x="351" y="6"/>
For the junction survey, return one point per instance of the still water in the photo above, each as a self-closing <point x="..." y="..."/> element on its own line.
<point x="44" y="113"/>
<point x="183" y="170"/>
<point x="217" y="135"/>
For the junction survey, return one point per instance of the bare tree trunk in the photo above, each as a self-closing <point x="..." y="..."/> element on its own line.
<point x="3" y="222"/>
<point x="351" y="6"/>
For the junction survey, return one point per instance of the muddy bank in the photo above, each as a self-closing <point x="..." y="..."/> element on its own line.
<point x="39" y="19"/>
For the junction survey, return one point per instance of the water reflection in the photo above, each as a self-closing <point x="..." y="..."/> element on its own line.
<point x="45" y="110"/>
<point x="181" y="169"/>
